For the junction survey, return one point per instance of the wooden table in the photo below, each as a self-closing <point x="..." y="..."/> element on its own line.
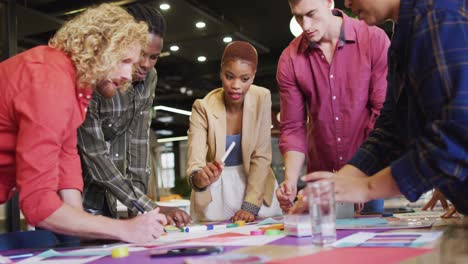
<point x="451" y="248"/>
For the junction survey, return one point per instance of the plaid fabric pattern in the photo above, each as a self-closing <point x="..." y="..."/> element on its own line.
<point x="114" y="146"/>
<point x="423" y="127"/>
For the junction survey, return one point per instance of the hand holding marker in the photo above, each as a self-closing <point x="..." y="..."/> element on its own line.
<point x="212" y="170"/>
<point x="226" y="154"/>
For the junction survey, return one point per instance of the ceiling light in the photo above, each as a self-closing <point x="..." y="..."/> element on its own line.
<point x="201" y="58"/>
<point x="200" y="24"/>
<point x="164" y="132"/>
<point x="294" y="27"/>
<point x="164" y="6"/>
<point x="174" y="48"/>
<point x="227" y="39"/>
<point x="183" y="89"/>
<point x="165" y="119"/>
<point x="172" y="110"/>
<point x="189" y="92"/>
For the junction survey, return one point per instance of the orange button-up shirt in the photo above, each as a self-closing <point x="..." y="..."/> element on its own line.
<point x="41" y="107"/>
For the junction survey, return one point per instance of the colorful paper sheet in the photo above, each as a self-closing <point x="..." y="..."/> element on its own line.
<point x="396" y="239"/>
<point x="79" y="256"/>
<point x="381" y="223"/>
<point x="230" y="239"/>
<point x="269" y="221"/>
<point x="356" y="256"/>
<point x="228" y="259"/>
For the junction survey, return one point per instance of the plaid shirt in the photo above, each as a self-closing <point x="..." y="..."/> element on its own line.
<point x="114" y="146"/>
<point x="422" y="132"/>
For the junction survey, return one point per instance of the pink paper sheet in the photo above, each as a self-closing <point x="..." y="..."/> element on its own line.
<point x="356" y="255"/>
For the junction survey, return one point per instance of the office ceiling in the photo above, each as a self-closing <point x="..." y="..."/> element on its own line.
<point x="182" y="79"/>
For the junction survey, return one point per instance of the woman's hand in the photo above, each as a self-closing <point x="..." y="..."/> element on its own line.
<point x="175" y="216"/>
<point x="243" y="215"/>
<point x="209" y="174"/>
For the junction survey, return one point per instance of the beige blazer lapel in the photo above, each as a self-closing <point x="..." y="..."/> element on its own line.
<point x="219" y="126"/>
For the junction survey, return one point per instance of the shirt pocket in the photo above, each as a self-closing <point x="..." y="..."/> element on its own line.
<point x="113" y="126"/>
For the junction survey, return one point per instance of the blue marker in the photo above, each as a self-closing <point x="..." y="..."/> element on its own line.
<point x="195" y="228"/>
<point x="198" y="228"/>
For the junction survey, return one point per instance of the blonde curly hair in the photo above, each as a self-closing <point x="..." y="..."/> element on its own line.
<point x="97" y="40"/>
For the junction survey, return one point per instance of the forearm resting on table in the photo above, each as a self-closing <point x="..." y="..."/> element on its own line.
<point x="293" y="162"/>
<point x="72" y="221"/>
<point x="382" y="185"/>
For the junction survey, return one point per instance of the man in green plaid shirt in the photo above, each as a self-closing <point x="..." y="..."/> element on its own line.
<point x="114" y="139"/>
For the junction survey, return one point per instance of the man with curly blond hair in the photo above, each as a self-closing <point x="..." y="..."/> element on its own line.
<point x="45" y="93"/>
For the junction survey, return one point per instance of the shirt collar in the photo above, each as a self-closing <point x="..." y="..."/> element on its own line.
<point x="138" y="85"/>
<point x="347" y="33"/>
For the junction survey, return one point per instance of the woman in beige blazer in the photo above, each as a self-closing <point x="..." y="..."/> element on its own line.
<point x="241" y="188"/>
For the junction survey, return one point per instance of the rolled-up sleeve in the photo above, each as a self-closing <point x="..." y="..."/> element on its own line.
<point x="70" y="164"/>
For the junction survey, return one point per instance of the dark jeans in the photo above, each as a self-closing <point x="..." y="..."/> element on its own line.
<point x="65" y="240"/>
<point x="28" y="240"/>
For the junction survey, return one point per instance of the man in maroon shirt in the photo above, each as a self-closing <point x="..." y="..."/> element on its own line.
<point x="332" y="83"/>
<point x="45" y="93"/>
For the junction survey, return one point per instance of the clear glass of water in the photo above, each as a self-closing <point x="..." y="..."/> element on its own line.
<point x="322" y="212"/>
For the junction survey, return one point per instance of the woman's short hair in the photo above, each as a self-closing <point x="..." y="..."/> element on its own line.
<point x="240" y="50"/>
<point x="97" y="40"/>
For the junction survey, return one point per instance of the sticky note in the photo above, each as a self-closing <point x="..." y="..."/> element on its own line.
<point x="240" y="222"/>
<point x="120" y="252"/>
